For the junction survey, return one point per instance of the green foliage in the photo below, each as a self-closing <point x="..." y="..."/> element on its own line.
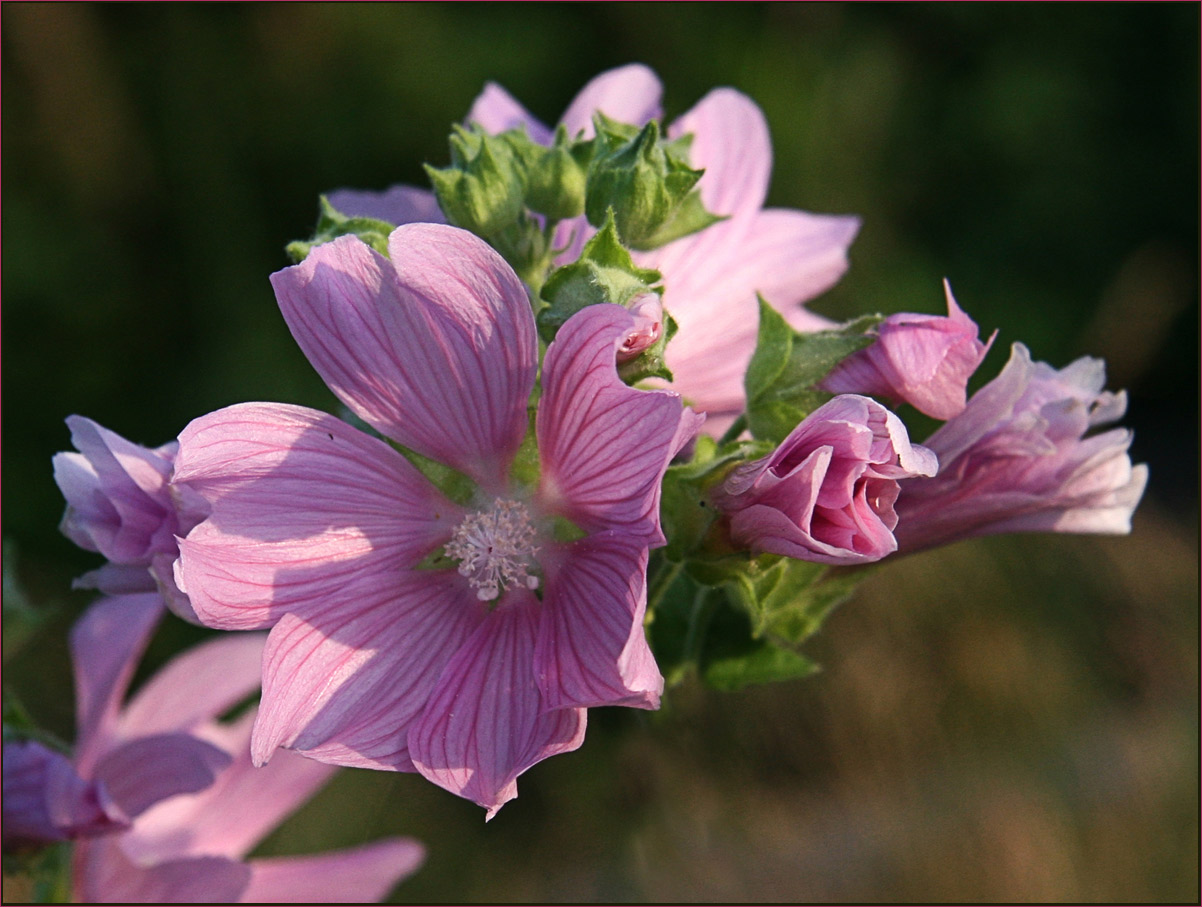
<point x="332" y="223"/>
<point x="786" y="366"/>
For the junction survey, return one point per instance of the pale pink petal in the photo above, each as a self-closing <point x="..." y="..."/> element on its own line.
<point x="308" y="513"/>
<point x="435" y="348"/>
<point x="604" y="446"/>
<point x="731" y="144"/>
<point x="241" y="808"/>
<point x="344" y="686"/>
<point x="196" y="686"/>
<point x="628" y="94"/>
<point x="104" y="874"/>
<point x="353" y="876"/>
<point x="105" y="646"/>
<point x="486" y="722"/>
<point x="396" y="205"/>
<point x="591" y="648"/>
<point x="139" y="773"/>
<point x="496" y="110"/>
<point x="711" y="281"/>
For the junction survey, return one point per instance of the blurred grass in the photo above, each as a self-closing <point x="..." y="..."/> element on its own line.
<point x="1008" y="719"/>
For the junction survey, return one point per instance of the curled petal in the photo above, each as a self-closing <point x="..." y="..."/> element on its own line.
<point x="141" y="772"/>
<point x="345" y="687"/>
<point x="308" y="513"/>
<point x="604" y="446"/>
<point x="486" y="721"/>
<point x="591" y="648"/>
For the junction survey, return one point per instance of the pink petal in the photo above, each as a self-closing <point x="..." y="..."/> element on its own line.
<point x="435" y="348"/>
<point x="591" y="646"/>
<point x="356" y="875"/>
<point x="345" y="686"/>
<point x="45" y="800"/>
<point x="195" y="687"/>
<point x="731" y="144"/>
<point x="140" y="773"/>
<point x="104" y="874"/>
<point x="628" y="94"/>
<point x="241" y="808"/>
<point x="604" y="446"/>
<point x="496" y="110"/>
<point x="105" y="646"/>
<point x="308" y="513"/>
<point x="486" y="722"/>
<point x="396" y="205"/>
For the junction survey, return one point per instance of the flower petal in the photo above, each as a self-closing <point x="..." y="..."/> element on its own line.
<point x="496" y="110"/>
<point x="604" y="446"/>
<point x="486" y="722"/>
<point x="308" y="513"/>
<point x="435" y="348"/>
<point x="628" y="94"/>
<point x="45" y="800"/>
<point x="195" y="687"/>
<point x="229" y="818"/>
<point x="104" y="874"/>
<point x="356" y="875"/>
<point x="105" y="646"/>
<point x="345" y="686"/>
<point x="591" y="646"/>
<point x="731" y="144"/>
<point x="396" y="205"/>
<point x="140" y="773"/>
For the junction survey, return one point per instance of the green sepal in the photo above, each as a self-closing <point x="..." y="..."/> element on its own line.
<point x="604" y="273"/>
<point x="482" y="189"/>
<point x="788" y="599"/>
<point x="332" y="223"/>
<point x="645" y="181"/>
<point x="650" y="363"/>
<point x="786" y="366"/>
<point x="556" y="177"/>
<point x="690" y="217"/>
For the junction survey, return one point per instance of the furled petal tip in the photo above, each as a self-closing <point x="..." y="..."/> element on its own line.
<point x="1024" y="455"/>
<point x="827" y="493"/>
<point x="923" y="360"/>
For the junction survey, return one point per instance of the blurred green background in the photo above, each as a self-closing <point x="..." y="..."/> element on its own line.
<point x="1006" y="719"/>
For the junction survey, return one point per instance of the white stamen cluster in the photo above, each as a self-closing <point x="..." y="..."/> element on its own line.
<point x="494" y="548"/>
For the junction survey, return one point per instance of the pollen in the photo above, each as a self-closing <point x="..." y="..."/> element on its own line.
<point x="495" y="549"/>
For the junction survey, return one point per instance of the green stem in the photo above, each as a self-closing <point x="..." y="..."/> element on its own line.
<point x="736" y="429"/>
<point x="699" y="620"/>
<point x="664" y="578"/>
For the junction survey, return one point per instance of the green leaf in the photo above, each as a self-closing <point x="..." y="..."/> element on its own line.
<point x="788" y="599"/>
<point x="781" y="377"/>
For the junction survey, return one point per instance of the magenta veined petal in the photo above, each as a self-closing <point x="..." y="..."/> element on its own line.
<point x="486" y="721"/>
<point x="591" y="649"/>
<point x="604" y="446"/>
<point x="435" y="348"/>
<point x="355" y="875"/>
<point x="307" y="514"/>
<point x="345" y="687"/>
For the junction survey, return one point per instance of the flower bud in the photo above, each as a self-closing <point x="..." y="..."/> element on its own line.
<point x="482" y="189"/>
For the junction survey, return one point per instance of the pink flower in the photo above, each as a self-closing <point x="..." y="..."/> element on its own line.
<point x="190" y="803"/>
<point x="923" y="360"/>
<point x="120" y="504"/>
<point x="827" y="493"/>
<point x="412" y="632"/>
<point x="1019" y="459"/>
<point x="710" y="278"/>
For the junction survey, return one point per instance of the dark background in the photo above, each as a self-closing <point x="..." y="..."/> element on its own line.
<point x="1006" y="719"/>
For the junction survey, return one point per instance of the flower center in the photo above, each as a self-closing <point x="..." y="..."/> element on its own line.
<point x="495" y="549"/>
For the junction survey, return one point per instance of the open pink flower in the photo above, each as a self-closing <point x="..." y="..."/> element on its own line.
<point x="1020" y="458"/>
<point x="411" y="632"/>
<point x="827" y="493"/>
<point x="710" y="278"/>
<point x="120" y="504"/>
<point x="923" y="360"/>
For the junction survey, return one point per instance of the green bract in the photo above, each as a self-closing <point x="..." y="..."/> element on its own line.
<point x="482" y="189"/>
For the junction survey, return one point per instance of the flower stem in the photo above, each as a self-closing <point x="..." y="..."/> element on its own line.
<point x="737" y="428"/>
